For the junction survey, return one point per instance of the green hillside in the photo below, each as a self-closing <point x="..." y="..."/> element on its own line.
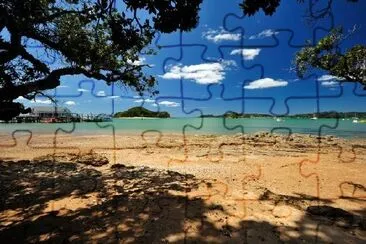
<point x="141" y="112"/>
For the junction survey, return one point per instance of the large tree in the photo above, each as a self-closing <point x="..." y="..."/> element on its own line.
<point x="100" y="39"/>
<point x="349" y="65"/>
<point x="327" y="54"/>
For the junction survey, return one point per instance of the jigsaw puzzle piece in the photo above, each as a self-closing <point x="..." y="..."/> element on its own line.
<point x="75" y="94"/>
<point x="27" y="141"/>
<point x="67" y="138"/>
<point x="213" y="148"/>
<point x="87" y="91"/>
<point x="338" y="164"/>
<point x="195" y="80"/>
<point x="124" y="134"/>
<point x="278" y="91"/>
<point x="151" y="136"/>
<point x="192" y="105"/>
<point x="334" y="169"/>
<point x="348" y="125"/>
<point x="215" y="104"/>
<point x="359" y="90"/>
<point x="320" y="14"/>
<point x="171" y="40"/>
<point x="38" y="50"/>
<point x="210" y="39"/>
<point x="191" y="80"/>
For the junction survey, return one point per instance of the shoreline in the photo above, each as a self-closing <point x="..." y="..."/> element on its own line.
<point x="214" y="126"/>
<point x="121" y="132"/>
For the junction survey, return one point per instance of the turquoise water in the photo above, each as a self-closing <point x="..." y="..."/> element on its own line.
<point x="339" y="128"/>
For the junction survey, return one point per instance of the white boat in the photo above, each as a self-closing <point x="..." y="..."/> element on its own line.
<point x="279" y="119"/>
<point x="355" y="119"/>
<point x="314" y="116"/>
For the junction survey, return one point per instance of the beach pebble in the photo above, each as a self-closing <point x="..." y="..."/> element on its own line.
<point x="92" y="159"/>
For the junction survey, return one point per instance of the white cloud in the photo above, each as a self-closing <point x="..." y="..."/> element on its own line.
<point x="265" y="83"/>
<point x="220" y="35"/>
<point x="83" y="90"/>
<point x="329" y="77"/>
<point x="41" y="101"/>
<point x="326" y="78"/>
<point x="62" y="86"/>
<point x="263" y="34"/>
<point x="205" y="73"/>
<point x="101" y="94"/>
<point x="113" y="97"/>
<point x="146" y="100"/>
<point x="248" y="54"/>
<point x="70" y="103"/>
<point x="169" y="103"/>
<point x="330" y="80"/>
<point x="330" y="83"/>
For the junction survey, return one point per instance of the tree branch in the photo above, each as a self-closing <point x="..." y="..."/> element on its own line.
<point x="51" y="81"/>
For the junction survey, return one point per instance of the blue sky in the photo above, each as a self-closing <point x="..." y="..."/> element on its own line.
<point x="230" y="63"/>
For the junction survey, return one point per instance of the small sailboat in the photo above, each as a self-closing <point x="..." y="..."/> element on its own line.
<point x="279" y="119"/>
<point x="314" y="115"/>
<point x="355" y="119"/>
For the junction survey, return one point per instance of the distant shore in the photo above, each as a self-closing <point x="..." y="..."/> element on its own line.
<point x="200" y="126"/>
<point x="141" y="118"/>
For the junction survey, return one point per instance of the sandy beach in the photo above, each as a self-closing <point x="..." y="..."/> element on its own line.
<point x="182" y="188"/>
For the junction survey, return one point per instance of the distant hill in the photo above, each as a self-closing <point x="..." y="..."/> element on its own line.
<point x="331" y="114"/>
<point x="235" y="115"/>
<point x="141" y="112"/>
<point x="340" y="115"/>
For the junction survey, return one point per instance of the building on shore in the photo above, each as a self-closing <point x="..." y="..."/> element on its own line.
<point x="48" y="114"/>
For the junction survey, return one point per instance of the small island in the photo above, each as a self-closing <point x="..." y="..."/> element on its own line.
<point x="141" y="112"/>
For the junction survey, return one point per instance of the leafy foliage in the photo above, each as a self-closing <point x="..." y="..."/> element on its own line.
<point x="97" y="39"/>
<point x="326" y="55"/>
<point x="141" y="112"/>
<point x="250" y="7"/>
<point x="269" y="7"/>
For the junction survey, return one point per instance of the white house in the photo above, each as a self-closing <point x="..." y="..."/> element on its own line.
<point x="51" y="112"/>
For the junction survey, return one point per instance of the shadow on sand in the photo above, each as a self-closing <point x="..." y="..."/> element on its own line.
<point x="60" y="202"/>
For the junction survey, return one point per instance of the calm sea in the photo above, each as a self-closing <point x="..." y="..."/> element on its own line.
<point x="339" y="128"/>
